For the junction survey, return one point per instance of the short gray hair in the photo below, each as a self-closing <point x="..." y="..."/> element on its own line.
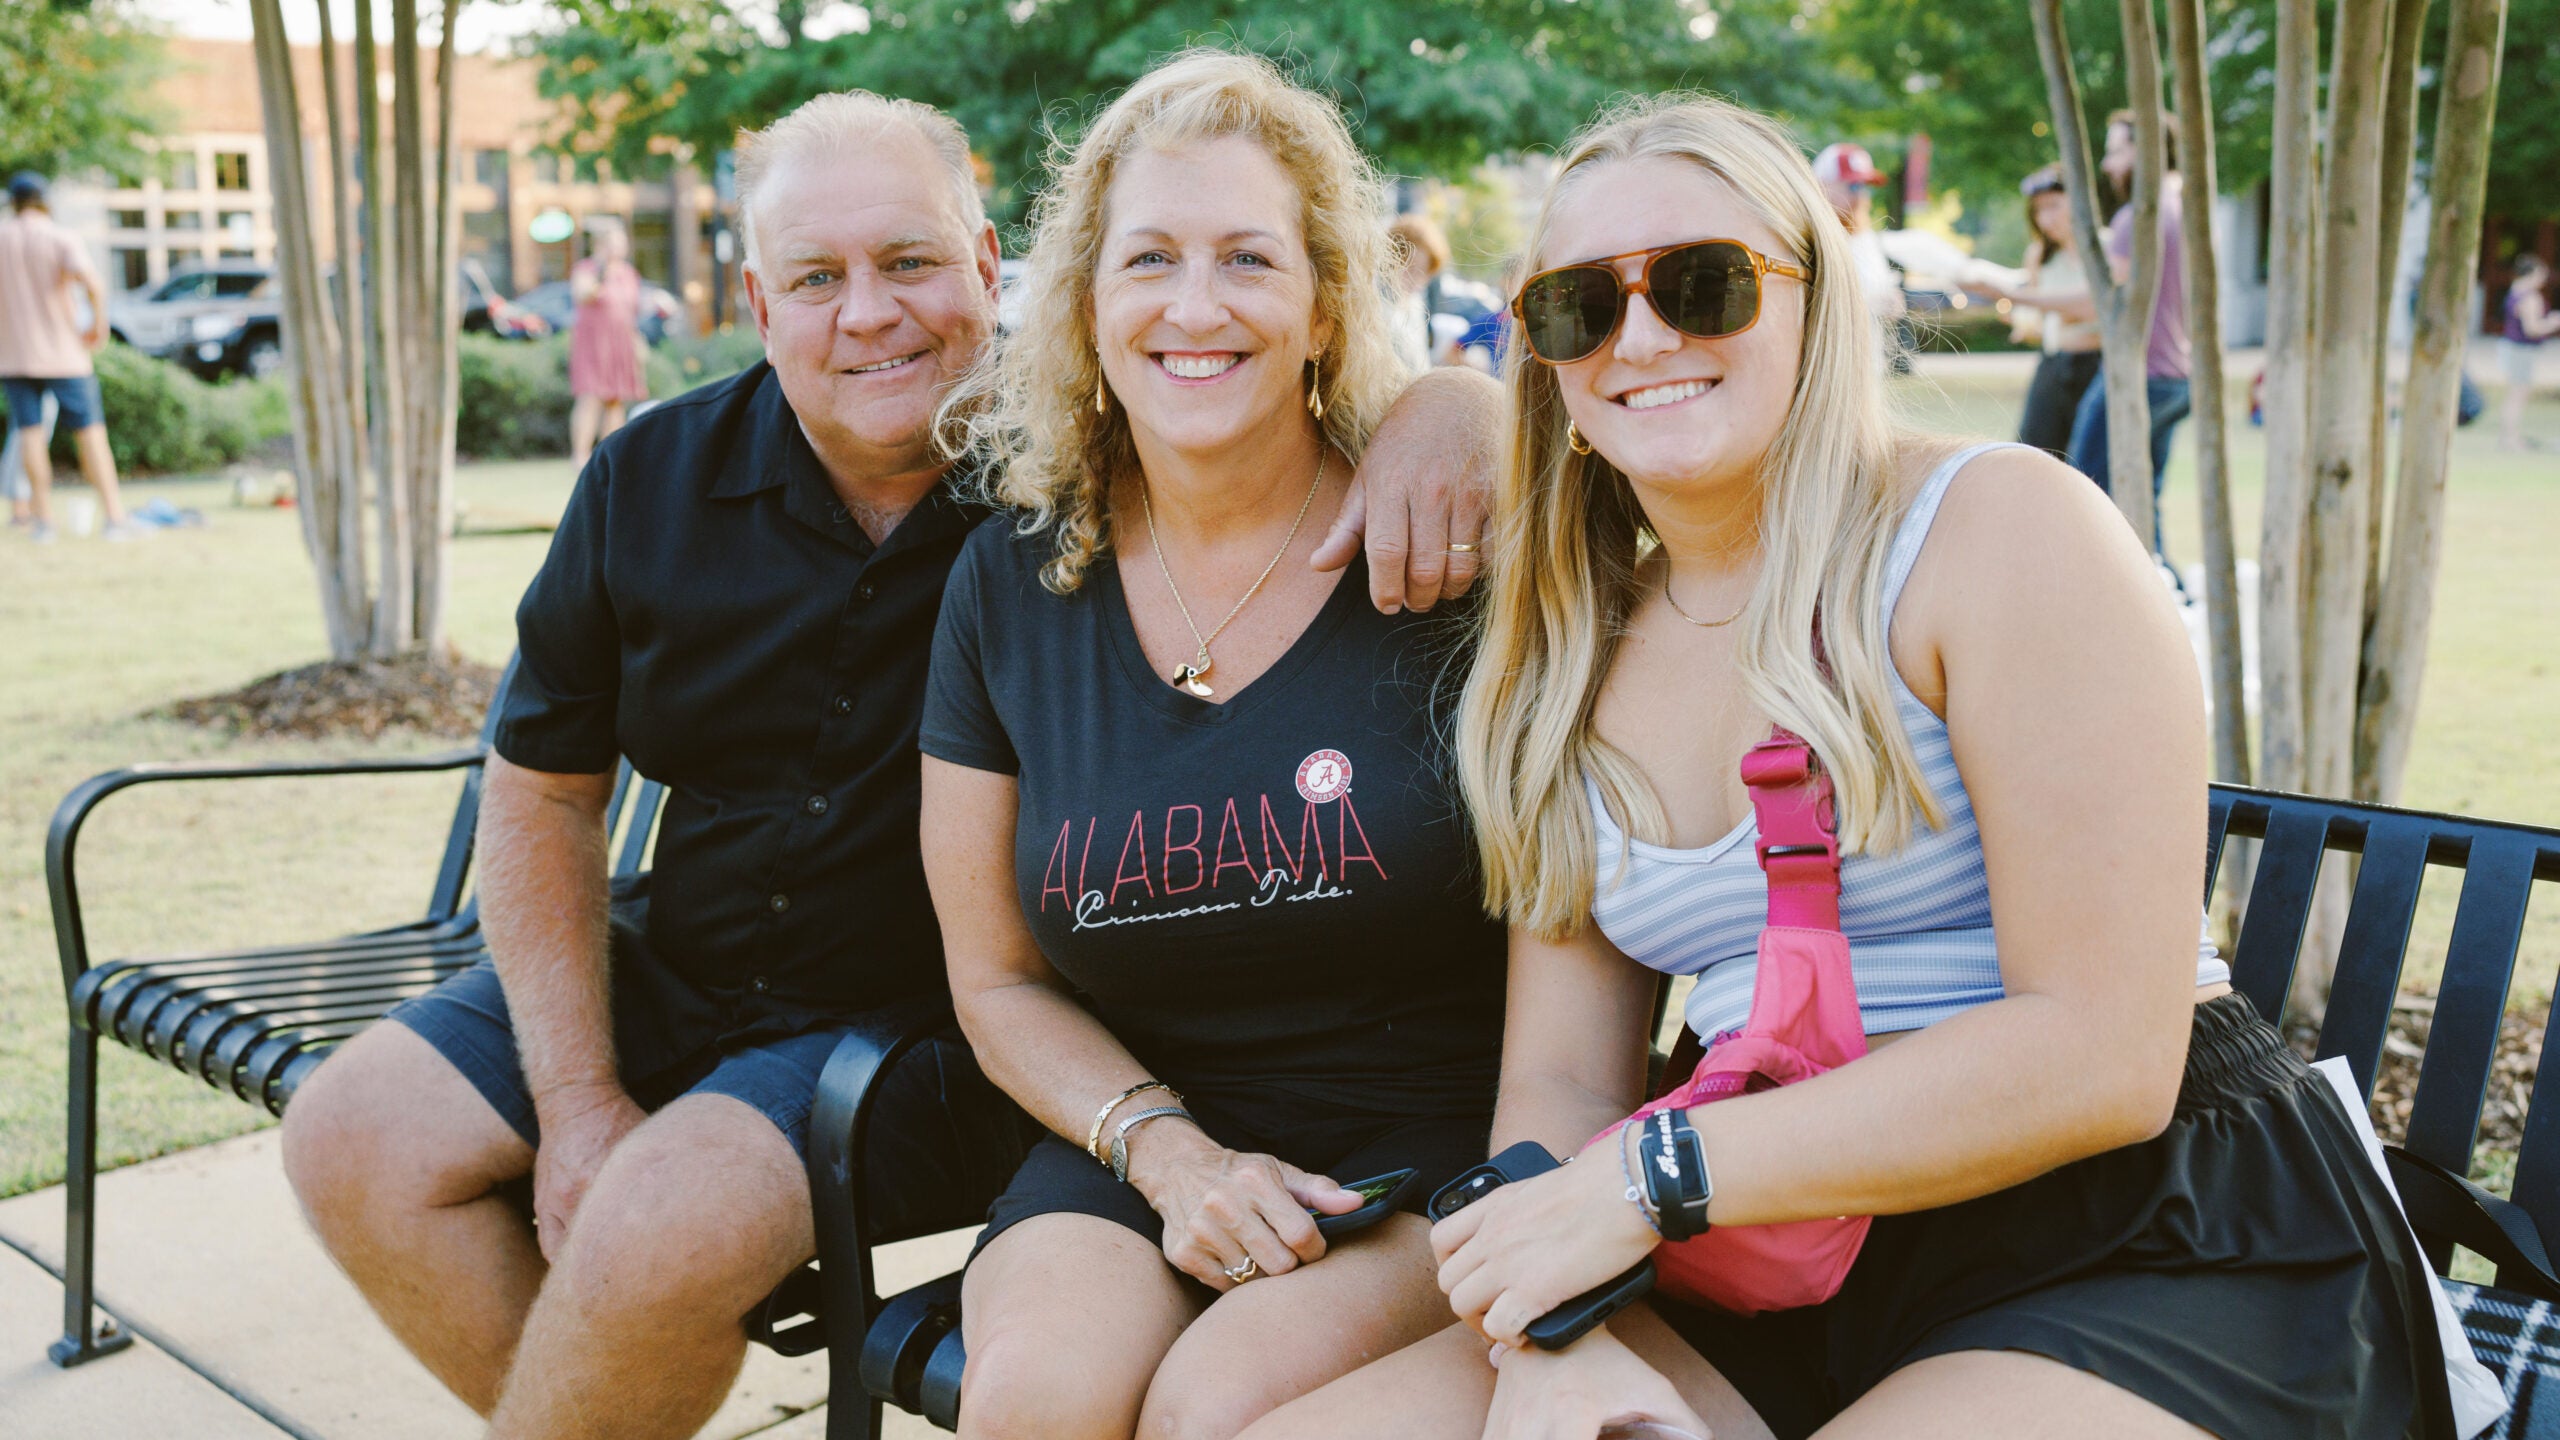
<point x="847" y="120"/>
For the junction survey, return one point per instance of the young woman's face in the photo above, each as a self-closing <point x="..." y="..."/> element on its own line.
<point x="1669" y="410"/>
<point x="2052" y="209"/>
<point x="1204" y="298"/>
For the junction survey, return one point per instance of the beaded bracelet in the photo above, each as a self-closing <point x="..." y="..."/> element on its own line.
<point x="1635" y="1192"/>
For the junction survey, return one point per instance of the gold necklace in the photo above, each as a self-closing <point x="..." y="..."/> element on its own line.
<point x="1189" y="677"/>
<point x="1674" y="603"/>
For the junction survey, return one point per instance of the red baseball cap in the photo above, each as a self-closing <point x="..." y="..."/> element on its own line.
<point x="1846" y="164"/>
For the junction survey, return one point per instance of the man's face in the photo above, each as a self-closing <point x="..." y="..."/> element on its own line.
<point x="871" y="290"/>
<point x="2118" y="161"/>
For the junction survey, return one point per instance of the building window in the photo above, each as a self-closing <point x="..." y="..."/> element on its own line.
<point x="130" y="219"/>
<point x="132" y="268"/>
<point x="182" y="220"/>
<point x="489" y="167"/>
<point x="231" y="170"/>
<point x="652" y="245"/>
<point x="178" y="169"/>
<point x="546" y="168"/>
<point x="237" y="226"/>
<point x="485" y="241"/>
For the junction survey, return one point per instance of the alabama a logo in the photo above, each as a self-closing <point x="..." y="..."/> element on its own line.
<point x="1324" y="776"/>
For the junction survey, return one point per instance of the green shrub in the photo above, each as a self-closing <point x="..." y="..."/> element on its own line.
<point x="161" y="419"/>
<point x="515" y="393"/>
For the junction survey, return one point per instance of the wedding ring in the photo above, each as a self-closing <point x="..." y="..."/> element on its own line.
<point x="1462" y="549"/>
<point x="1241" y="1273"/>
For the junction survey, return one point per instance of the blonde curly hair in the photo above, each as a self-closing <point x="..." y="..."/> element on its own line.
<point x="1028" y="406"/>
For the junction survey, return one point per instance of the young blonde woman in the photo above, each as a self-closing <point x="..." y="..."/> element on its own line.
<point x="2111" y="1202"/>
<point x="1206" y="897"/>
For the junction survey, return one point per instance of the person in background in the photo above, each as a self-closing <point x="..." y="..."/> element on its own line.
<point x="1849" y="177"/>
<point x="44" y="353"/>
<point x="1422" y="252"/>
<point x="605" y="373"/>
<point x="2165" y="355"/>
<point x="2528" y="322"/>
<point x="2054" y="310"/>
<point x="13" y="475"/>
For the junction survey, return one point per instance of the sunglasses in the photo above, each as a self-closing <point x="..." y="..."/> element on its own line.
<point x="1705" y="289"/>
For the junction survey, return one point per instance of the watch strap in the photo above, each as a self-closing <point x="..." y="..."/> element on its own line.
<point x="1120" y="1136"/>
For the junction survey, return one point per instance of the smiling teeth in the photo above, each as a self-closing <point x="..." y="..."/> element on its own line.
<point x="1199" y="367"/>
<point x="1664" y="395"/>
<point x="884" y="365"/>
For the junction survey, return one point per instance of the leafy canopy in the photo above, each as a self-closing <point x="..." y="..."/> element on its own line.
<point x="76" y="84"/>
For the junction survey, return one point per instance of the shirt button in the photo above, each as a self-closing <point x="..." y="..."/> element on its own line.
<point x="759" y="985"/>
<point x="842" y="704"/>
<point x="779" y="903"/>
<point x="864" y="591"/>
<point x="817" y="805"/>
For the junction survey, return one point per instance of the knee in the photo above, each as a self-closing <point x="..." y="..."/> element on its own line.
<point x="646" y="1247"/>
<point x="1019" y="1386"/>
<point x="333" y="1144"/>
<point x="1193" y="1401"/>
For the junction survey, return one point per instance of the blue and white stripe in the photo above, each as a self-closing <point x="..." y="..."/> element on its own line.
<point x="1918" y="921"/>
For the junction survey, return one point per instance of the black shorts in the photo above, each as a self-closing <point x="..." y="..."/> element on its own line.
<point x="2247" y="1271"/>
<point x="1342" y="1145"/>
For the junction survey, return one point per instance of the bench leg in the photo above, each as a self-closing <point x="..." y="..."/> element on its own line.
<point x="85" y="1335"/>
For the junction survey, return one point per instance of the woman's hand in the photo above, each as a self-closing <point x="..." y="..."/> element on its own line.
<point x="1571" y="1394"/>
<point x="1222" y="1207"/>
<point x="1528" y="1247"/>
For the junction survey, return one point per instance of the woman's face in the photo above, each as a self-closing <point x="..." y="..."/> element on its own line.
<point x="2052" y="210"/>
<point x="612" y="245"/>
<point x="1671" y="411"/>
<point x="1204" y="298"/>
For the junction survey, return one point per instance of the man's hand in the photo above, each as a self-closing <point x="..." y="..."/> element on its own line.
<point x="1574" y="1393"/>
<point x="579" y="1130"/>
<point x="1422" y="488"/>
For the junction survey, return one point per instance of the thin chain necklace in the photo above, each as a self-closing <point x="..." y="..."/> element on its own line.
<point x="1673" y="601"/>
<point x="1191" y="677"/>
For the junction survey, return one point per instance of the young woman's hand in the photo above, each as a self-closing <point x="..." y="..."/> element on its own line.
<point x="1222" y="1207"/>
<point x="1528" y="1247"/>
<point x="1571" y="1394"/>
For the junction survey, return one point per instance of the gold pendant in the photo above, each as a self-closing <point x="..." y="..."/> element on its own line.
<point x="1188" y="677"/>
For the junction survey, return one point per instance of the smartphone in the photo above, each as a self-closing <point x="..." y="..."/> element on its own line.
<point x="1583" y="1313"/>
<point x="1379" y="1197"/>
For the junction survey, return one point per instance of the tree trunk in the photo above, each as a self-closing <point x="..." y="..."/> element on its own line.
<point x="2396" y="649"/>
<point x="2128" y="397"/>
<point x="2292" y="248"/>
<point x="348" y="294"/>
<point x="2204" y="328"/>
<point x="385" y="324"/>
<point x="331" y="517"/>
<point x="2399" y="147"/>
<point x="431" y="465"/>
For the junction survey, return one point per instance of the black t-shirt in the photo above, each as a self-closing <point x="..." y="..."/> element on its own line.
<point x="1274" y="892"/>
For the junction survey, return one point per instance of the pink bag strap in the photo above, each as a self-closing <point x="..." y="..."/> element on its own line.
<point x="1799" y="839"/>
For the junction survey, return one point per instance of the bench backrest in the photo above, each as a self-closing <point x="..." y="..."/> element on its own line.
<point x="2393" y="849"/>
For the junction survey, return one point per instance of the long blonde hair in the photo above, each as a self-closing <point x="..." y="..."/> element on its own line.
<point x="1030" y="405"/>
<point x="1568" y="534"/>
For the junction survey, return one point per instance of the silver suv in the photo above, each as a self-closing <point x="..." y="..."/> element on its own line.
<point x="218" y="318"/>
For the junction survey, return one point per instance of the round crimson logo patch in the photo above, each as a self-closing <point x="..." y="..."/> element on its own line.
<point x="1324" y="776"/>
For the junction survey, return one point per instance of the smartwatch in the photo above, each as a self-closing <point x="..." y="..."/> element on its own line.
<point x="1676" y="1182"/>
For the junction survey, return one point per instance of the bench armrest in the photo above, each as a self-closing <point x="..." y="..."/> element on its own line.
<point x="70" y="930"/>
<point x="2446" y="1208"/>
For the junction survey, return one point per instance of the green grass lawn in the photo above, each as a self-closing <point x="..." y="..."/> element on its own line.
<point x="92" y="635"/>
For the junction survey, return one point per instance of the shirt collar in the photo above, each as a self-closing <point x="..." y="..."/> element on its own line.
<point x="771" y="452"/>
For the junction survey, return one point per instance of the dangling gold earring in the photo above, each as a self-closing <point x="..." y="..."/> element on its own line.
<point x="1315" y="385"/>
<point x="1573" y="440"/>
<point x="1099" y="390"/>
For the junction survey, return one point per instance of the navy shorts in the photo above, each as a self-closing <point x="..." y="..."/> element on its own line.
<point x="941" y="1142"/>
<point x="76" y="394"/>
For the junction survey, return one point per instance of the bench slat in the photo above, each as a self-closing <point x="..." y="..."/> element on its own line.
<point x="2479" y="966"/>
<point x="2375" y="949"/>
<point x="2279" y="906"/>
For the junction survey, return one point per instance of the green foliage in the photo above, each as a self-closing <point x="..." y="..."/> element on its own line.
<point x="161" y="419"/>
<point x="515" y="394"/>
<point x="2524" y="150"/>
<point x="76" y="86"/>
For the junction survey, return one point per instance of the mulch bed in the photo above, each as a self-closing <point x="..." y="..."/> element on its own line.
<point x="443" y="696"/>
<point x="2510" y="1074"/>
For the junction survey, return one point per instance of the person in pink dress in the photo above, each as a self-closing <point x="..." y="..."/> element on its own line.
<point x="605" y="373"/>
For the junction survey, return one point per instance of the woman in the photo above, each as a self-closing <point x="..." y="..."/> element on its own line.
<point x="2111" y="1202"/>
<point x="2055" y="312"/>
<point x="1206" y="898"/>
<point x="1421" y="252"/>
<point x="2526" y="321"/>
<point x="605" y="373"/>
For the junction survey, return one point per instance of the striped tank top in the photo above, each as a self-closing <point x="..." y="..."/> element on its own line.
<point x="1918" y="920"/>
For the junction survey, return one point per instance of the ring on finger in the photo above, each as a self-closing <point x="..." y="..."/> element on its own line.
<point x="1249" y="1270"/>
<point x="1460" y="548"/>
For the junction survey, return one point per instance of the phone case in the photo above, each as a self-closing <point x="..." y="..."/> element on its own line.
<point x="1333" y="1227"/>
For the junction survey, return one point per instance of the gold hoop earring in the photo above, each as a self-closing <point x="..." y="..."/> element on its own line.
<point x="1315" y="385"/>
<point x="1573" y="440"/>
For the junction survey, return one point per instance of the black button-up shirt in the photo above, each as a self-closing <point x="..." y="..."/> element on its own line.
<point x="711" y="610"/>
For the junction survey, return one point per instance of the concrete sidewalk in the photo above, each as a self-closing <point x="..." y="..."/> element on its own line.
<point x="247" y="1332"/>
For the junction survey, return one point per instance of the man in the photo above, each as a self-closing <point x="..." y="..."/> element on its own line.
<point x="44" y="352"/>
<point x="1849" y="179"/>
<point x="2165" y="352"/>
<point x="741" y="598"/>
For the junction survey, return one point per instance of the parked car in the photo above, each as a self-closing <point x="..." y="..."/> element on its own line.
<point x="217" y="319"/>
<point x="549" y="303"/>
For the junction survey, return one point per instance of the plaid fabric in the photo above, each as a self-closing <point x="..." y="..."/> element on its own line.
<point x="2518" y="1338"/>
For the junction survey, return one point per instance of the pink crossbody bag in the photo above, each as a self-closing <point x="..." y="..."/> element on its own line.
<point x="1804" y="1020"/>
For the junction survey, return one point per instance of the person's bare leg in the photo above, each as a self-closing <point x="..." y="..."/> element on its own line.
<point x="396" y="1159"/>
<point x="614" y="413"/>
<point x="1066" y="1318"/>
<point x="583" y="413"/>
<point x="639" y="1330"/>
<point x="1998" y="1394"/>
<point x="39" y="463"/>
<point x="1440" y="1389"/>
<point x="98" y="467"/>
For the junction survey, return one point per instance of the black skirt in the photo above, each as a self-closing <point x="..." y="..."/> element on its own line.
<point x="2246" y="1270"/>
